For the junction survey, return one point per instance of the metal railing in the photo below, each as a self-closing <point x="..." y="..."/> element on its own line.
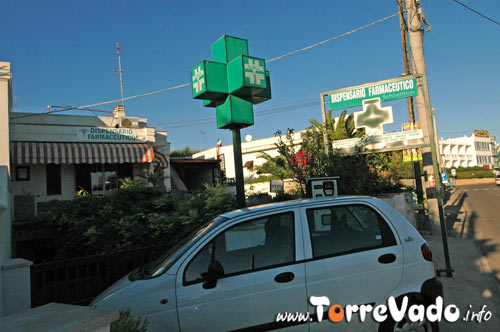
<point x="79" y="280"/>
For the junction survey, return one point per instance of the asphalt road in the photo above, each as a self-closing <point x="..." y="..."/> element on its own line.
<point x="481" y="204"/>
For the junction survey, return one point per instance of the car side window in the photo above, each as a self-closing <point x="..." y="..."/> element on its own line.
<point x="251" y="245"/>
<point x="198" y="266"/>
<point x="344" y="229"/>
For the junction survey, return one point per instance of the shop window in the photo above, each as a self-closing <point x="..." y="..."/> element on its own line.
<point x="99" y="178"/>
<point x="53" y="176"/>
<point x="22" y="173"/>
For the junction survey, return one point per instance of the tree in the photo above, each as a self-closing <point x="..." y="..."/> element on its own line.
<point x="184" y="152"/>
<point x="343" y="128"/>
<point x="303" y="160"/>
<point x="276" y="166"/>
<point x="359" y="173"/>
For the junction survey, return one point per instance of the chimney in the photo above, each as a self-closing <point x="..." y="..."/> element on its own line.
<point x="119" y="111"/>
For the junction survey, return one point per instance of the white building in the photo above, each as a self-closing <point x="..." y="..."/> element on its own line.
<point x="53" y="156"/>
<point x="14" y="273"/>
<point x="250" y="154"/>
<point x="47" y="157"/>
<point x="468" y="151"/>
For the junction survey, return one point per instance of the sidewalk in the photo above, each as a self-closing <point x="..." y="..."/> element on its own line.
<point x="472" y="283"/>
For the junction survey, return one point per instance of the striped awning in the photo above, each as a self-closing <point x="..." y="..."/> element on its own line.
<point x="160" y="159"/>
<point x="80" y="153"/>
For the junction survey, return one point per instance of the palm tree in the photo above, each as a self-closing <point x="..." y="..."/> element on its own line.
<point x="343" y="128"/>
<point x="276" y="166"/>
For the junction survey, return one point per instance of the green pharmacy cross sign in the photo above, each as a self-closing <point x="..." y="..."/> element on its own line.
<point x="232" y="83"/>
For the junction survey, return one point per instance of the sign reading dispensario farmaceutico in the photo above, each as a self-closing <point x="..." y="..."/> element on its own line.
<point x="111" y="135"/>
<point x="385" y="90"/>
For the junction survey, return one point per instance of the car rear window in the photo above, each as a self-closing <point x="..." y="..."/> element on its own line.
<point x="339" y="230"/>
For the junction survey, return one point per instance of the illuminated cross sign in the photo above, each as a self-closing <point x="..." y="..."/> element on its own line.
<point x="373" y="117"/>
<point x="232" y="82"/>
<point x="255" y="72"/>
<point x="198" y="79"/>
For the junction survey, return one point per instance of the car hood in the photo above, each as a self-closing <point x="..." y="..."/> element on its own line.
<point x="113" y="289"/>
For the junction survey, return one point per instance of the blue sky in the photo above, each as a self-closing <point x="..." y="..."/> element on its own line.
<point x="63" y="53"/>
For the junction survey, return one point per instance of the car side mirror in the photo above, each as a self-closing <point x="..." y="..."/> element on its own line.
<point x="215" y="271"/>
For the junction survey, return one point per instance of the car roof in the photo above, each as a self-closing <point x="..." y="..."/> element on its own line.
<point x="290" y="204"/>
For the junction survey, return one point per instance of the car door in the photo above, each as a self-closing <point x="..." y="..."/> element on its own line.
<point x="353" y="257"/>
<point x="259" y="277"/>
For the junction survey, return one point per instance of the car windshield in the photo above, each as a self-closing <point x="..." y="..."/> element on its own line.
<point x="157" y="267"/>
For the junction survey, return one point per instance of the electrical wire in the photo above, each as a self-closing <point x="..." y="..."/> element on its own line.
<point x="198" y="122"/>
<point x="475" y="11"/>
<point x="136" y="96"/>
<point x="267" y="61"/>
<point x="63" y="109"/>
<point x="332" y="38"/>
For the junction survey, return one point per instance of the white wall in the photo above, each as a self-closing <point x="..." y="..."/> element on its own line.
<point x="37" y="186"/>
<point x="5" y="226"/>
<point x="5" y="220"/>
<point x="462" y="151"/>
<point x="14" y="274"/>
<point x="250" y="152"/>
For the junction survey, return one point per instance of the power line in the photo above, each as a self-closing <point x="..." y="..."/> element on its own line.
<point x="198" y="122"/>
<point x="475" y="11"/>
<point x="267" y="61"/>
<point x="332" y="38"/>
<point x="136" y="96"/>
<point x="62" y="109"/>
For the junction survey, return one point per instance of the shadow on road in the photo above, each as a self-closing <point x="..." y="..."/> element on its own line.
<point x="464" y="222"/>
<point x="452" y="213"/>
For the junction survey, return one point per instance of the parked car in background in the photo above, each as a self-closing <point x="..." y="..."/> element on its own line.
<point x="244" y="267"/>
<point x="497" y="180"/>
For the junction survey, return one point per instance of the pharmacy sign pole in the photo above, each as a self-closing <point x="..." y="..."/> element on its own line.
<point x="232" y="83"/>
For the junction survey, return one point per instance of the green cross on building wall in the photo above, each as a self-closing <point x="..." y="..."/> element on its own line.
<point x="232" y="83"/>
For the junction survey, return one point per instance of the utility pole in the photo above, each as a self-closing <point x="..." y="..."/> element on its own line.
<point x="326" y="141"/>
<point x="411" y="116"/>
<point x="119" y="68"/>
<point x="415" y="18"/>
<point x="404" y="42"/>
<point x="436" y="138"/>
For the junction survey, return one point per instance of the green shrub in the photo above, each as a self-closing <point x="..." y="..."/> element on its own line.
<point x="262" y="178"/>
<point x="470" y="174"/>
<point x="281" y="196"/>
<point x="126" y="323"/>
<point x="130" y="217"/>
<point x="259" y="198"/>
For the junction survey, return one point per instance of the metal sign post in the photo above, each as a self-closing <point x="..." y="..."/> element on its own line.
<point x="448" y="270"/>
<point x="374" y="116"/>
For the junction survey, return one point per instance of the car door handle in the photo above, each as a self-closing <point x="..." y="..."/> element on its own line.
<point x="284" y="277"/>
<point x="387" y="258"/>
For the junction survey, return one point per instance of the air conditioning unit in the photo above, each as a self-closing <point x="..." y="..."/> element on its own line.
<point x="129" y="122"/>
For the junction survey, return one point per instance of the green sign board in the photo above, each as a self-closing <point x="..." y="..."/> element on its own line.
<point x="387" y="90"/>
<point x="232" y="82"/>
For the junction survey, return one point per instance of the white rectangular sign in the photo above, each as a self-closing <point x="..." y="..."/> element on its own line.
<point x="390" y="141"/>
<point x="111" y="135"/>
